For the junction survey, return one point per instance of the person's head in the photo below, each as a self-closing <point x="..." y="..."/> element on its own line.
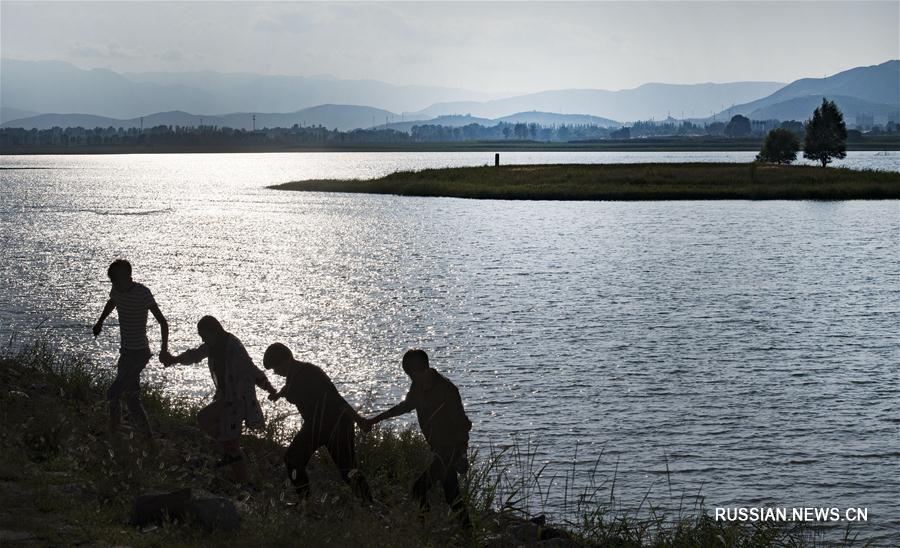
<point x="415" y="363"/>
<point x="210" y="330"/>
<point x="278" y="358"/>
<point x="119" y="273"/>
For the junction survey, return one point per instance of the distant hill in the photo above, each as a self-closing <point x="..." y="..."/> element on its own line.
<point x="801" y="108"/>
<point x="872" y="87"/>
<point x="540" y="118"/>
<point x="446" y="121"/>
<point x="56" y="86"/>
<point x="342" y="117"/>
<point x="655" y="101"/>
<point x="555" y="119"/>
<point x="9" y="113"/>
<point x="47" y="121"/>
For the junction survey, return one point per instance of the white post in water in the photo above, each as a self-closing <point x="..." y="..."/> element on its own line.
<point x="496" y="159"/>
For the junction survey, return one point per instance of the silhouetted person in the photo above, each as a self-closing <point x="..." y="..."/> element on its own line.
<point x="132" y="301"/>
<point x="443" y="422"/>
<point x="236" y="378"/>
<point x="327" y="421"/>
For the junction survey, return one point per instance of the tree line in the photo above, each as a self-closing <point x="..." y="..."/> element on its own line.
<point x="739" y="126"/>
<point x="194" y="136"/>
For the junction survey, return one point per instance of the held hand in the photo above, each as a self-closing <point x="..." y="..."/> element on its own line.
<point x="274" y="396"/>
<point x="365" y="424"/>
<point x="98" y="327"/>
<point x="166" y="358"/>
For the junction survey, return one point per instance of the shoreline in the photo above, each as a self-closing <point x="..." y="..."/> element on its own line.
<point x="611" y="145"/>
<point x="624" y="182"/>
<point x="65" y="480"/>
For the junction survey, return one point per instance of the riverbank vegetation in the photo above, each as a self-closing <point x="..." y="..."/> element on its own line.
<point x="695" y="181"/>
<point x="65" y="480"/>
<point x="209" y="139"/>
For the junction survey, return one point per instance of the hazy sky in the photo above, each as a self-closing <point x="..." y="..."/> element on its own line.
<point x="501" y="46"/>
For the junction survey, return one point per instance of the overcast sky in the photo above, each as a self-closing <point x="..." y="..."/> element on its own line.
<point x="495" y="47"/>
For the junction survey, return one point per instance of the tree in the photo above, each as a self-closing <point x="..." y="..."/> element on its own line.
<point x="623" y="133"/>
<point x="780" y="147"/>
<point x="739" y="126"/>
<point x="794" y="127"/>
<point x="715" y="128"/>
<point x="826" y="134"/>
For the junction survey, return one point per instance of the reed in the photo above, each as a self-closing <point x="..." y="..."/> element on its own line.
<point x="65" y="480"/>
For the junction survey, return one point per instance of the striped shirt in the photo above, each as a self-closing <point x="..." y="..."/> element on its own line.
<point x="133" y="306"/>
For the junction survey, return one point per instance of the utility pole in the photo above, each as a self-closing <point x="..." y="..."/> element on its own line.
<point x="254" y="122"/>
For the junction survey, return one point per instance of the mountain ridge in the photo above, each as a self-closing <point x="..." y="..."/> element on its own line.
<point x="342" y="117"/>
<point x="878" y="85"/>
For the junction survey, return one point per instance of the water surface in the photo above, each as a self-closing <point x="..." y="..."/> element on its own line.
<point x="749" y="348"/>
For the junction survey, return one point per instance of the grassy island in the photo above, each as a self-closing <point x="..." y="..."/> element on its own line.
<point x="66" y="480"/>
<point x="626" y="182"/>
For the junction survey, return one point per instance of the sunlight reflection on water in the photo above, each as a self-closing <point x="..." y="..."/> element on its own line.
<point x="750" y="346"/>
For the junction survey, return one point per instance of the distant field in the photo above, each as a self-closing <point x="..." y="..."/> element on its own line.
<point x="687" y="181"/>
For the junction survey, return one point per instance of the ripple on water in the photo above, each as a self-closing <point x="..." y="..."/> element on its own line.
<point x="750" y="347"/>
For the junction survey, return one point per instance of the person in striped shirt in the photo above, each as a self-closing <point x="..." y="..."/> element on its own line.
<point x="132" y="301"/>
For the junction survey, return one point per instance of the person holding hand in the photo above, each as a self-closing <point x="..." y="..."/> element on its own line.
<point x="445" y="425"/>
<point x="235" y="403"/>
<point x="327" y="421"/>
<point x="133" y="301"/>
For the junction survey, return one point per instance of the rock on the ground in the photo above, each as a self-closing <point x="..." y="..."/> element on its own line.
<point x="153" y="508"/>
<point x="214" y="514"/>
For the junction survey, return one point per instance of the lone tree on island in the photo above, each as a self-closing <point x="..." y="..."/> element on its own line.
<point x="780" y="147"/>
<point x="826" y="134"/>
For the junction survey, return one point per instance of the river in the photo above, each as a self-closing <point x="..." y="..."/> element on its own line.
<point x="746" y="351"/>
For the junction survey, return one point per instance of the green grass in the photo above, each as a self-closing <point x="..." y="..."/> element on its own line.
<point x="65" y="480"/>
<point x="626" y="182"/>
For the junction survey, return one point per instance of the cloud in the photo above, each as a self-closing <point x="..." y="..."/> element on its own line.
<point x="286" y="21"/>
<point x="170" y="56"/>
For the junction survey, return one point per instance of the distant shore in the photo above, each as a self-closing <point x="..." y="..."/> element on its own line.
<point x="674" y="144"/>
<point x="625" y="182"/>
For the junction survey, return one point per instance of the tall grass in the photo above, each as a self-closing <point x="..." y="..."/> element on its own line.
<point x="55" y="442"/>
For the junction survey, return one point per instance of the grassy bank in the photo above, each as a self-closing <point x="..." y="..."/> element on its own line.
<point x="695" y="181"/>
<point x="65" y="480"/>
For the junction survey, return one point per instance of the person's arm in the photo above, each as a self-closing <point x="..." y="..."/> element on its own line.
<point x="194" y="355"/>
<point x="163" y="328"/>
<point x="107" y="310"/>
<point x="285" y="390"/>
<point x="262" y="381"/>
<point x="401" y="408"/>
<point x="354" y="414"/>
<point x="278" y="394"/>
<point x="259" y="376"/>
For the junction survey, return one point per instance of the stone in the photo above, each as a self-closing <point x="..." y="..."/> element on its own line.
<point x="214" y="514"/>
<point x="153" y="508"/>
